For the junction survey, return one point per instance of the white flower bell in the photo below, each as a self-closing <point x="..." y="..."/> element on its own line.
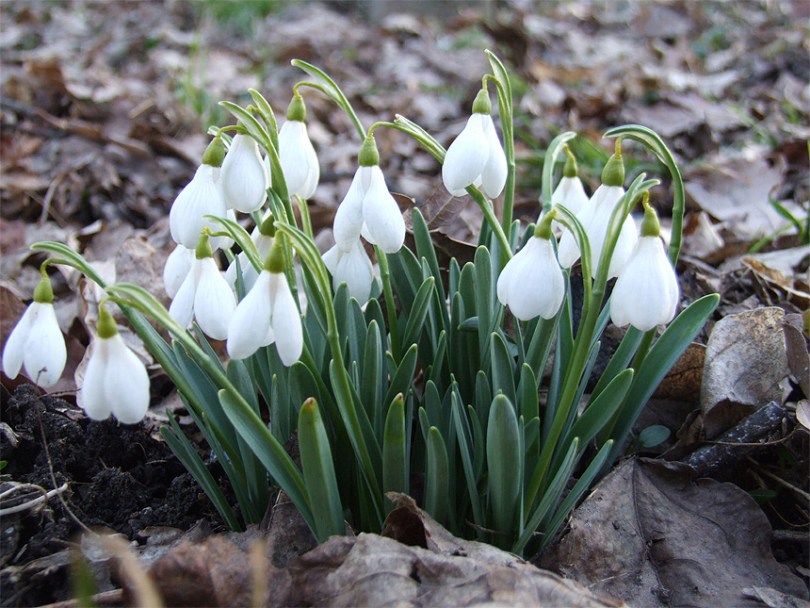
<point x="368" y="209"/>
<point x="646" y="293"/>
<point x="268" y="314"/>
<point x="204" y="295"/>
<point x="595" y="219"/>
<point x="115" y="380"/>
<point x="476" y="156"/>
<point x="532" y="282"/>
<point x="299" y="162"/>
<point x="570" y="193"/>
<point x="36" y="342"/>
<point x="244" y="178"/>
<point x="178" y="265"/>
<point x="351" y="265"/>
<point x="200" y="197"/>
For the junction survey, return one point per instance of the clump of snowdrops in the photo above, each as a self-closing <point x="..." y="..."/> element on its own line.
<point x="466" y="384"/>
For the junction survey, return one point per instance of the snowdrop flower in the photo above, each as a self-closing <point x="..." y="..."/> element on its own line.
<point x="204" y="295"/>
<point x="646" y="293"/>
<point x="268" y="314"/>
<point x="476" y="156"/>
<point x="262" y="237"/>
<point x="243" y="178"/>
<point x="368" y="207"/>
<point x="176" y="269"/>
<point x="595" y="219"/>
<point x="36" y="341"/>
<point x="115" y="380"/>
<point x="298" y="159"/>
<point x="532" y="282"/>
<point x="351" y="265"/>
<point x="570" y="193"/>
<point x="199" y="198"/>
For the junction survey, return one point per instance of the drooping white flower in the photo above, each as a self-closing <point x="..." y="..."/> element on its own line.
<point x="267" y="314"/>
<point x="368" y="207"/>
<point x="199" y="198"/>
<point x="476" y="156"/>
<point x="595" y="218"/>
<point x="243" y="178"/>
<point x="532" y="283"/>
<point x="570" y="193"/>
<point x="178" y="265"/>
<point x="351" y="266"/>
<point x="36" y="342"/>
<point x="115" y="380"/>
<point x="646" y="293"/>
<point x="299" y="162"/>
<point x="205" y="296"/>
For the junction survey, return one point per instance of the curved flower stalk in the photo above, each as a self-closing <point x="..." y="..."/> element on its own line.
<point x="476" y="156"/>
<point x="263" y="237"/>
<point x="268" y="314"/>
<point x="115" y="380"/>
<point x="532" y="282"/>
<point x="244" y="177"/>
<point x="299" y="162"/>
<point x="595" y="218"/>
<point x="200" y="197"/>
<point x="368" y="209"/>
<point x="176" y="269"/>
<point x="204" y="295"/>
<point x="646" y="293"/>
<point x="350" y="265"/>
<point x="36" y="342"/>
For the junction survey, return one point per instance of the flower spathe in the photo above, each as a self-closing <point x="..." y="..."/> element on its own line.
<point x="244" y="178"/>
<point x="368" y="209"/>
<point x="476" y="156"/>
<point x="646" y="293"/>
<point x="115" y="381"/>
<point x="532" y="283"/>
<point x="351" y="266"/>
<point x="205" y="296"/>
<point x="267" y="314"/>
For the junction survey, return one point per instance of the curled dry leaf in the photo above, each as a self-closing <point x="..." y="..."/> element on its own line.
<point x="746" y="365"/>
<point x="654" y="536"/>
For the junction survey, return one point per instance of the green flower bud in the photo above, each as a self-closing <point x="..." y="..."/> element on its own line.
<point x="203" y="249"/>
<point x="650" y="226"/>
<point x="613" y="173"/>
<point x="268" y="226"/>
<point x="43" y="292"/>
<point x="106" y="327"/>
<point x="570" y="169"/>
<point x="543" y="229"/>
<point x="275" y="259"/>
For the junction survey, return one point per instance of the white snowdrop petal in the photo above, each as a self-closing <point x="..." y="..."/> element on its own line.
<point x="628" y="237"/>
<point x="247" y="330"/>
<point x="126" y="382"/>
<point x="349" y="216"/>
<point x="214" y="301"/>
<point x="570" y="193"/>
<point x="493" y="176"/>
<point x="243" y="177"/>
<point x="200" y="197"/>
<point x="354" y="268"/>
<point x="504" y="279"/>
<point x="286" y="322"/>
<point x="466" y="156"/>
<point x="176" y="269"/>
<point x="182" y="307"/>
<point x="534" y="286"/>
<point x="382" y="217"/>
<point x="14" y="350"/>
<point x="45" y="351"/>
<point x="602" y="203"/>
<point x="92" y="395"/>
<point x="298" y="159"/>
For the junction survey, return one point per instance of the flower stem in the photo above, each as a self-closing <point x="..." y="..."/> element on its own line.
<point x="390" y="308"/>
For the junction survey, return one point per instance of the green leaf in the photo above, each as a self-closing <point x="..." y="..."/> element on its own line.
<point x="319" y="473"/>
<point x="555" y="148"/>
<point x="418" y="313"/>
<point x="438" y="483"/>
<point x="503" y="367"/>
<point x="653" y="435"/>
<point x="467" y="449"/>
<point x="528" y="394"/>
<point x="395" y="449"/>
<point x="242" y="238"/>
<point x="401" y="380"/>
<point x="373" y="378"/>
<point x="504" y="467"/>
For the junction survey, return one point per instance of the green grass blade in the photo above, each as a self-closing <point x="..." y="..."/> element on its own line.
<point x="503" y="468"/>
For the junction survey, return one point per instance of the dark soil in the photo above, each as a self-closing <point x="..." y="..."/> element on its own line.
<point x="118" y="477"/>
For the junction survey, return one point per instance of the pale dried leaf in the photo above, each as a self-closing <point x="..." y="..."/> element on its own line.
<point x="803" y="413"/>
